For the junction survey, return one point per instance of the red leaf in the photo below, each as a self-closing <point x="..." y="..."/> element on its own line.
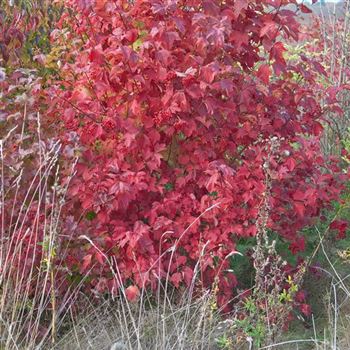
<point x="299" y="195"/>
<point x="317" y="129"/>
<point x="290" y="163"/>
<point x="304" y="9"/>
<point x="269" y="28"/>
<point x="299" y="208"/>
<point x="163" y="56"/>
<point x="211" y="8"/>
<point x="96" y="55"/>
<point x="274" y="3"/>
<point x="209" y="72"/>
<point x="264" y="73"/>
<point x="300" y="296"/>
<point x="132" y="293"/>
<point x="340" y="226"/>
<point x="86" y="262"/>
<point x="239" y="6"/>
<point x="305" y="309"/>
<point x="99" y="258"/>
<point x="319" y="68"/>
<point x="179" y="103"/>
<point x="277" y="53"/>
<point x="239" y="38"/>
<point x="176" y="278"/>
<point x="297" y="246"/>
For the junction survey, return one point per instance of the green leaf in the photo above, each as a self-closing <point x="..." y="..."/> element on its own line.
<point x="168" y="186"/>
<point x="91" y="215"/>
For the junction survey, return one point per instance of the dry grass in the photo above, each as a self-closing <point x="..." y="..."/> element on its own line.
<point x="146" y="325"/>
<point x="30" y="208"/>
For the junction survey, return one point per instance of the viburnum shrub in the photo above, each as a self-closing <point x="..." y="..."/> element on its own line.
<point x="171" y="106"/>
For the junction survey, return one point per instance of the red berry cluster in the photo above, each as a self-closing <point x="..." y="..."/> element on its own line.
<point x="108" y="124"/>
<point x="179" y="125"/>
<point x="170" y="76"/>
<point x="162" y="117"/>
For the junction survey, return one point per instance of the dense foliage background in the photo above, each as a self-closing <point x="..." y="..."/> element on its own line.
<point x="150" y="142"/>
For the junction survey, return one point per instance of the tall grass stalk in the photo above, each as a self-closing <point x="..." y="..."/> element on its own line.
<point x="29" y="311"/>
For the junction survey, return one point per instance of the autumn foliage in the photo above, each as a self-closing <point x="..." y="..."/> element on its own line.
<point x="171" y="107"/>
<point x="183" y="115"/>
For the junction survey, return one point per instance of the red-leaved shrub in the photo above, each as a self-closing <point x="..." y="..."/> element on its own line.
<point x="174" y="105"/>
